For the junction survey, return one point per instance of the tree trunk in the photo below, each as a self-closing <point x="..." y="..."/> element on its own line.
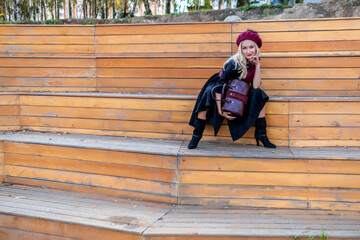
<point x="147" y="7"/>
<point x="84" y="8"/>
<point x="102" y="9"/>
<point x="107" y="13"/>
<point x="123" y="8"/>
<point x="70" y="9"/>
<point x="43" y="10"/>
<point x="57" y="9"/>
<point x="15" y="10"/>
<point x="168" y="6"/>
<point x="95" y="9"/>
<point x="132" y="13"/>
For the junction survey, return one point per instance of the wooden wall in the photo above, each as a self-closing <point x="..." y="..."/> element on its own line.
<point x="300" y="58"/>
<point x="44" y="58"/>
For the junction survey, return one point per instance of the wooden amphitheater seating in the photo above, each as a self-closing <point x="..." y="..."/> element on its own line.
<point x="104" y="109"/>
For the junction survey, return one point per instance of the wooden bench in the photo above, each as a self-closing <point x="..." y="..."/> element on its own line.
<point x="297" y="122"/>
<point x="104" y="109"/>
<point x="217" y="174"/>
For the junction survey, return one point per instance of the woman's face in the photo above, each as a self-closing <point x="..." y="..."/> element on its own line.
<point x="248" y="49"/>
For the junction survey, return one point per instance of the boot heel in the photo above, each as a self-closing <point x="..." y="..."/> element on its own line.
<point x="257" y="141"/>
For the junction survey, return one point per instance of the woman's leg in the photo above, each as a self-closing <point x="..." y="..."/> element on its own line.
<point x="199" y="129"/>
<point x="262" y="113"/>
<point x="260" y="131"/>
<point x="202" y="115"/>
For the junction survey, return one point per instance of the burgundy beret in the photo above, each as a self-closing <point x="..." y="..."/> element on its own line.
<point x="249" y="35"/>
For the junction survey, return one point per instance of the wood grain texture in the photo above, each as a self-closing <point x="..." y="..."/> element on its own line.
<point x="40" y="227"/>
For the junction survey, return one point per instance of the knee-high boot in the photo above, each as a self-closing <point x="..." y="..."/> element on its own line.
<point x="260" y="133"/>
<point x="197" y="134"/>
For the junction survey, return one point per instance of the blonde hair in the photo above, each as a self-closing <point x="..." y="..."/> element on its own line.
<point x="240" y="60"/>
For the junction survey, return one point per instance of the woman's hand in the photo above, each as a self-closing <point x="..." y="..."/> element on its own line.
<point x="255" y="60"/>
<point x="227" y="115"/>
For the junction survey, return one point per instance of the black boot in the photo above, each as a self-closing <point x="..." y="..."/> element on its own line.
<point x="260" y="133"/>
<point x="197" y="134"/>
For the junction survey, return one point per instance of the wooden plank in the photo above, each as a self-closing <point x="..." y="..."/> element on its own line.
<point x="25" y="30"/>
<point x="49" y="82"/>
<point x="329" y="107"/>
<point x="47" y="72"/>
<point x="42" y="62"/>
<point x="312" y="54"/>
<point x="163" y="28"/>
<point x="310" y="62"/>
<point x="145" y="186"/>
<point x="62" y="228"/>
<point x="15" y="234"/>
<point x="118" y="125"/>
<point x="9" y="128"/>
<point x="316" y="93"/>
<point x="112" y="192"/>
<point x="272" y="132"/>
<point x="163" y="38"/>
<point x="331" y="133"/>
<point x="119" y="103"/>
<point x="163" y="48"/>
<point x="96" y="113"/>
<point x="269" y="179"/>
<point x="94" y="155"/>
<point x="224" y="194"/>
<point x="9" y="121"/>
<point x="327" y="35"/>
<point x="100" y="168"/>
<point x="171" y="83"/>
<point x="309" y="46"/>
<point x="324" y="120"/>
<point x="298" y="25"/>
<point x="47" y="40"/>
<point x="46" y="50"/>
<point x="311" y="73"/>
<point x="269" y="73"/>
<point x="310" y="84"/>
<point x="48" y="89"/>
<point x="270" y="165"/>
<point x="9" y="110"/>
<point x="84" y="202"/>
<point x="9" y="99"/>
<point x="156" y="73"/>
<point x="161" y="62"/>
<point x="2" y="164"/>
<point x="322" y="143"/>
<point x="75" y="212"/>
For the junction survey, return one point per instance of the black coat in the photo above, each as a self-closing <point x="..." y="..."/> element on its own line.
<point x="205" y="102"/>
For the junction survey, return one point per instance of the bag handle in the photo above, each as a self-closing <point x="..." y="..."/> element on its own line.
<point x="222" y="91"/>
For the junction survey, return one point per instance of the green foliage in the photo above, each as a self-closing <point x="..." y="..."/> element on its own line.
<point x="323" y="236"/>
<point x="88" y="21"/>
<point x="52" y="21"/>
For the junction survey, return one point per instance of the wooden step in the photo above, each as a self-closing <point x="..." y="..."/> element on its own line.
<point x="40" y="213"/>
<point x="215" y="174"/>
<point x="292" y="121"/>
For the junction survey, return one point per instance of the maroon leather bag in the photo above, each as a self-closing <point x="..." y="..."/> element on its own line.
<point x="236" y="97"/>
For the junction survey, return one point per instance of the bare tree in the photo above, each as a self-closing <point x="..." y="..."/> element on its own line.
<point x="147" y="7"/>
